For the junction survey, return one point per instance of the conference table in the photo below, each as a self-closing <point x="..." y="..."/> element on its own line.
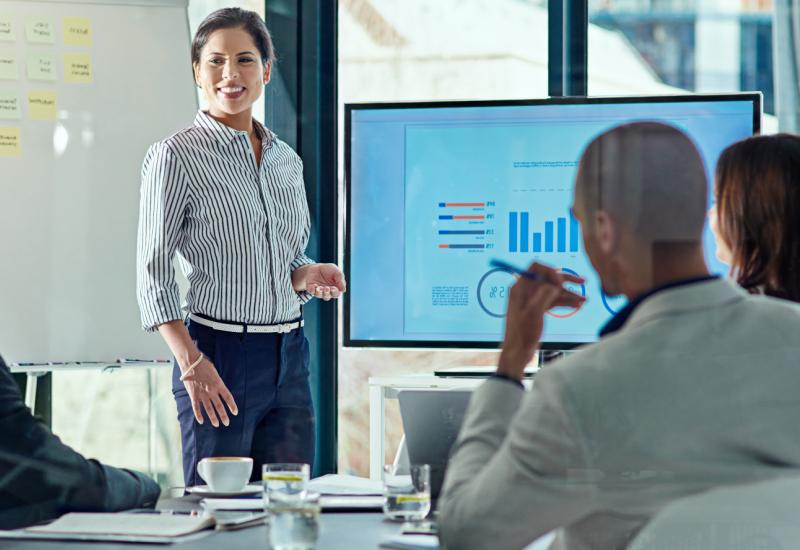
<point x="338" y="531"/>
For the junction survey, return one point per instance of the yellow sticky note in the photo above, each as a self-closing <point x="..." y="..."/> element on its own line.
<point x="9" y="105"/>
<point x="77" y="68"/>
<point x="40" y="31"/>
<point x="42" y="105"/>
<point x="9" y="142"/>
<point x="77" y="31"/>
<point x="7" y="32"/>
<point x="8" y="65"/>
<point x="41" y="66"/>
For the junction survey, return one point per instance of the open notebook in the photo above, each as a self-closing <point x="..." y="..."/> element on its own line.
<point x="125" y="527"/>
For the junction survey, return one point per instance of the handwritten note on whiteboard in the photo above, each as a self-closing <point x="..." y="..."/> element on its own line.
<point x="7" y="32"/>
<point x="42" y="105"/>
<point x="9" y="106"/>
<point x="40" y="31"/>
<point x="77" y="31"/>
<point x="10" y="142"/>
<point x="8" y="65"/>
<point x="78" y="68"/>
<point x="41" y="66"/>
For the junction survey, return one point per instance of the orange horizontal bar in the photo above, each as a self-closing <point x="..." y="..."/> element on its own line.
<point x="465" y="204"/>
<point x="469" y="217"/>
<point x="444" y="246"/>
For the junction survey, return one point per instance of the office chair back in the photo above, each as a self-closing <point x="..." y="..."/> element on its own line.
<point x="763" y="515"/>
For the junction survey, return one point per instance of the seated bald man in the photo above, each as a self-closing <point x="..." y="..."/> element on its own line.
<point x="693" y="385"/>
<point x="41" y="478"/>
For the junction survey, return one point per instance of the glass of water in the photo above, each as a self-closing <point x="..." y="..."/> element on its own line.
<point x="284" y="483"/>
<point x="294" y="524"/>
<point x="407" y="496"/>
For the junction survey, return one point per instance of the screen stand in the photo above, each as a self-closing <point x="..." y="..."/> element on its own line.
<point x="549" y="355"/>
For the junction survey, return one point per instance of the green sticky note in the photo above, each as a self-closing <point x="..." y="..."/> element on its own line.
<point x="8" y="65"/>
<point x="40" y="31"/>
<point x="9" y="106"/>
<point x="41" y="66"/>
<point x="7" y="32"/>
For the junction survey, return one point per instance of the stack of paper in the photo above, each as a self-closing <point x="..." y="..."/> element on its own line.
<point x="326" y="502"/>
<point x="336" y="484"/>
<point x="411" y="542"/>
<point x="337" y="492"/>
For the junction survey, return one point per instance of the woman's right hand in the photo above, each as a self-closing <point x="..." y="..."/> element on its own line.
<point x="203" y="383"/>
<point x="205" y="387"/>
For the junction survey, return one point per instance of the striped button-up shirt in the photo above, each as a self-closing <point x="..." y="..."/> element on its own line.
<point x="239" y="230"/>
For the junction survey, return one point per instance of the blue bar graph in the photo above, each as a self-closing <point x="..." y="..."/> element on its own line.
<point x="552" y="239"/>
<point x="512" y="232"/>
<point x="523" y="232"/>
<point x="537" y="242"/>
<point x="573" y="233"/>
<point x="562" y="234"/>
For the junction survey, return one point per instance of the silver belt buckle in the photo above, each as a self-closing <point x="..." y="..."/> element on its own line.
<point x="283" y="328"/>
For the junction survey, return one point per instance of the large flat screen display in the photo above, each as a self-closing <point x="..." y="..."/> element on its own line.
<point x="435" y="191"/>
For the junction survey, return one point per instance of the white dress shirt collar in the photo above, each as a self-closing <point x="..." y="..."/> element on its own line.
<point x="225" y="134"/>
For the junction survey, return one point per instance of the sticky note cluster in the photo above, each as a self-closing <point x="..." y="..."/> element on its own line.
<point x="28" y="52"/>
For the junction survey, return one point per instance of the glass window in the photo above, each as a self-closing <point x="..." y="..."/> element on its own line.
<point x="417" y="50"/>
<point x="135" y="428"/>
<point x="679" y="46"/>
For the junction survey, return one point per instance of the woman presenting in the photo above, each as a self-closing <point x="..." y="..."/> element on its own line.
<point x="227" y="196"/>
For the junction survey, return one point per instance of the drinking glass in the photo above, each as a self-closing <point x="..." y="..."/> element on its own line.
<point x="407" y="496"/>
<point x="284" y="483"/>
<point x="294" y="524"/>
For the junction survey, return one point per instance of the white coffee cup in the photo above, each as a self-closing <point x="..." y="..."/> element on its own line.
<point x="225" y="474"/>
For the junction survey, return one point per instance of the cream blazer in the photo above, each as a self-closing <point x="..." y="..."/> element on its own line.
<point x="700" y="388"/>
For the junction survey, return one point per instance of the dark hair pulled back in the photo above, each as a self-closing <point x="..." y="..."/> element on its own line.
<point x="234" y="18"/>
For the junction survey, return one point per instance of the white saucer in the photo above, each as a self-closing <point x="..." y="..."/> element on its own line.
<point x="205" y="491"/>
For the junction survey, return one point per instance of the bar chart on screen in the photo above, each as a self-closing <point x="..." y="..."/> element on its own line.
<point x="466" y="226"/>
<point x="559" y="235"/>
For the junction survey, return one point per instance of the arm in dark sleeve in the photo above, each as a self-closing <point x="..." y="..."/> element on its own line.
<point x="42" y="478"/>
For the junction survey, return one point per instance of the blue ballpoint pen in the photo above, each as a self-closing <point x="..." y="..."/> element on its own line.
<point x="500" y="264"/>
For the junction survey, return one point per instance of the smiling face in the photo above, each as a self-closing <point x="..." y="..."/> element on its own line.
<point x="231" y="73"/>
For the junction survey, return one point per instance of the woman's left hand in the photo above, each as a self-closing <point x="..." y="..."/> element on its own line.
<point x="324" y="281"/>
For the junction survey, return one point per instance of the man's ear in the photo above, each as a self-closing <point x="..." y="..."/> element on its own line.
<point x="605" y="232"/>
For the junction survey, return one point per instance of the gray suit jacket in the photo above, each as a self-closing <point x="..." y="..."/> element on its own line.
<point x="701" y="387"/>
<point x="41" y="478"/>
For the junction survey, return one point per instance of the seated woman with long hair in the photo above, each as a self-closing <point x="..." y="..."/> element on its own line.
<point x="756" y="218"/>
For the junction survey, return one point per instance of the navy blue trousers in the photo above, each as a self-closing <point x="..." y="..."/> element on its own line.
<point x="269" y="379"/>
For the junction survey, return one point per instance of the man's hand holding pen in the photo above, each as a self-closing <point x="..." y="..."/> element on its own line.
<point x="536" y="291"/>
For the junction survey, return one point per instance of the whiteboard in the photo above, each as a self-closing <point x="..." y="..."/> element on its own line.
<point x="69" y="192"/>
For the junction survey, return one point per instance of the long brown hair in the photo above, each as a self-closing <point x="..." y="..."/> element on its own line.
<point x="758" y="207"/>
